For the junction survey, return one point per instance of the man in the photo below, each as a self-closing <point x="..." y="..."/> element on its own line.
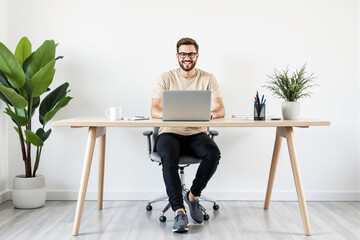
<point x="173" y="142"/>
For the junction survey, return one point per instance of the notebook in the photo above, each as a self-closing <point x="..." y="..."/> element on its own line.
<point x="186" y="105"/>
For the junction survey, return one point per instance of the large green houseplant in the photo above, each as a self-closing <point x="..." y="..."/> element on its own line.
<point x="25" y="77"/>
<point x="291" y="89"/>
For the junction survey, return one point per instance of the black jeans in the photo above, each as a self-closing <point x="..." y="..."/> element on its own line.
<point x="170" y="147"/>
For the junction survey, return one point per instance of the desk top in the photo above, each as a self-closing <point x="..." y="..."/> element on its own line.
<point x="221" y="122"/>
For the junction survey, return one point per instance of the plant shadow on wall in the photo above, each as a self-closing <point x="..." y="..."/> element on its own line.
<point x="24" y="78"/>
<point x="291" y="89"/>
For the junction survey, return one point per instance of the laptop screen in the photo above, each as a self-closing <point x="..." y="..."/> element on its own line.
<point x="186" y="105"/>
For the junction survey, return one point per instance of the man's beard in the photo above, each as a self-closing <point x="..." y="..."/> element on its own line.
<point x="189" y="68"/>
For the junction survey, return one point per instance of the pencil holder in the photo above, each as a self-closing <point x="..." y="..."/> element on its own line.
<point x="259" y="112"/>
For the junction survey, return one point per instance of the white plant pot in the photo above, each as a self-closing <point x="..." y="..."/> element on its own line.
<point x="28" y="192"/>
<point x="290" y="110"/>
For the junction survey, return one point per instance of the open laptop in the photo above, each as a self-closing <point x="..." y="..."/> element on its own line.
<point x="186" y="105"/>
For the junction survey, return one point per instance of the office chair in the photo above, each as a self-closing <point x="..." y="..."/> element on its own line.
<point x="184" y="162"/>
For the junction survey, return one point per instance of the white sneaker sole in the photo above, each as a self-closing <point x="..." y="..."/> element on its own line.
<point x="181" y="230"/>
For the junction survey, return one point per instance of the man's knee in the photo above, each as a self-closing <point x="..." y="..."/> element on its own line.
<point x="213" y="154"/>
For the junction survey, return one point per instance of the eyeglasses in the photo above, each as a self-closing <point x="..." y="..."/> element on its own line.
<point x="183" y="55"/>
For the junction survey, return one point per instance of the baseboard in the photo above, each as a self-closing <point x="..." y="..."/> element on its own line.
<point x="108" y="195"/>
<point x="218" y="195"/>
<point x="221" y="196"/>
<point x="5" y="196"/>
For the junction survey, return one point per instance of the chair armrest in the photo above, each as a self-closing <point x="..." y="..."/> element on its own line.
<point x="148" y="134"/>
<point x="213" y="133"/>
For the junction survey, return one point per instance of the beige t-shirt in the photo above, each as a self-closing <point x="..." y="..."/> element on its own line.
<point x="173" y="80"/>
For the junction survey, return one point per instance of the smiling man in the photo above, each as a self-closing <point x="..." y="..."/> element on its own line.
<point x="173" y="142"/>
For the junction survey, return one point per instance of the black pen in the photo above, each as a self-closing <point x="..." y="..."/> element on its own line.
<point x="257" y="97"/>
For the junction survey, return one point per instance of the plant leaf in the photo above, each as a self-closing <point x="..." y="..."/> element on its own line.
<point x="39" y="83"/>
<point x="62" y="103"/>
<point x="21" y="112"/>
<point x="42" y="134"/>
<point x="41" y="57"/>
<point x="10" y="66"/>
<point x="17" y="130"/>
<point x="46" y="135"/>
<point x="26" y="64"/>
<point x="33" y="138"/>
<point x="14" y="98"/>
<point x="4" y="81"/>
<point x="51" y="100"/>
<point x="36" y="103"/>
<point x="18" y="120"/>
<point x="23" y="50"/>
<point x="2" y="97"/>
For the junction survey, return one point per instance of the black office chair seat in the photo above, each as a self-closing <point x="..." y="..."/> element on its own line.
<point x="184" y="160"/>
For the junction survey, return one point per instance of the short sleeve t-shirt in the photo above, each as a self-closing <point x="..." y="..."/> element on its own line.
<point x="173" y="80"/>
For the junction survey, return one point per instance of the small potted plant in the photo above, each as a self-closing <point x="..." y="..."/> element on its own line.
<point x="24" y="78"/>
<point x="291" y="89"/>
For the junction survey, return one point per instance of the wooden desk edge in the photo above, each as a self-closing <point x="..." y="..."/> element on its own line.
<point x="76" y="123"/>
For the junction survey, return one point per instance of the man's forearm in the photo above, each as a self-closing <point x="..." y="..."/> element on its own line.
<point x="156" y="113"/>
<point x="218" y="108"/>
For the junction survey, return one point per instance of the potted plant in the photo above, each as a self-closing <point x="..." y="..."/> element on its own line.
<point x="291" y="89"/>
<point x="24" y="78"/>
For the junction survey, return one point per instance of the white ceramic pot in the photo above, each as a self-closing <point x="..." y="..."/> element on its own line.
<point x="290" y="110"/>
<point x="28" y="192"/>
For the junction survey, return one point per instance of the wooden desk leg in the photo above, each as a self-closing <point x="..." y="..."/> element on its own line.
<point x="274" y="161"/>
<point x="101" y="171"/>
<point x="84" y="178"/>
<point x="297" y="178"/>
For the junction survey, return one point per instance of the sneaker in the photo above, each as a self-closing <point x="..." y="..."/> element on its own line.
<point x="181" y="222"/>
<point x="195" y="210"/>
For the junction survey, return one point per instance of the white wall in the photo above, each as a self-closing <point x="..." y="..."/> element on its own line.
<point x="358" y="72"/>
<point x="3" y="119"/>
<point x="115" y="50"/>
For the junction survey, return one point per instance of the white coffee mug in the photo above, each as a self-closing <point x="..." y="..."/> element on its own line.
<point x="114" y="113"/>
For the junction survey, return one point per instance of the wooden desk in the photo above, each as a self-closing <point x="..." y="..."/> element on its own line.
<point x="97" y="128"/>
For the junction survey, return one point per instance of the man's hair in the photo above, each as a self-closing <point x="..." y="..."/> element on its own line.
<point x="187" y="41"/>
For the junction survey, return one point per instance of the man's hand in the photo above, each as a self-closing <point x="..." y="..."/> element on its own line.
<point x="156" y="108"/>
<point x="218" y="108"/>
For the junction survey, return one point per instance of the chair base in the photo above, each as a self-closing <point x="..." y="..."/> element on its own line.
<point x="184" y="191"/>
<point x="162" y="218"/>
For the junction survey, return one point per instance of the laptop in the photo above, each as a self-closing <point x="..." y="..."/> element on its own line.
<point x="186" y="105"/>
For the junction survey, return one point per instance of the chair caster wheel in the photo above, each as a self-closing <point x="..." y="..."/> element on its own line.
<point x="162" y="219"/>
<point x="148" y="207"/>
<point x="206" y="217"/>
<point x="216" y="207"/>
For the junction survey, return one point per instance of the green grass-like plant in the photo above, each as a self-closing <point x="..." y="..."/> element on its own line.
<point x="25" y="77"/>
<point x="291" y="88"/>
